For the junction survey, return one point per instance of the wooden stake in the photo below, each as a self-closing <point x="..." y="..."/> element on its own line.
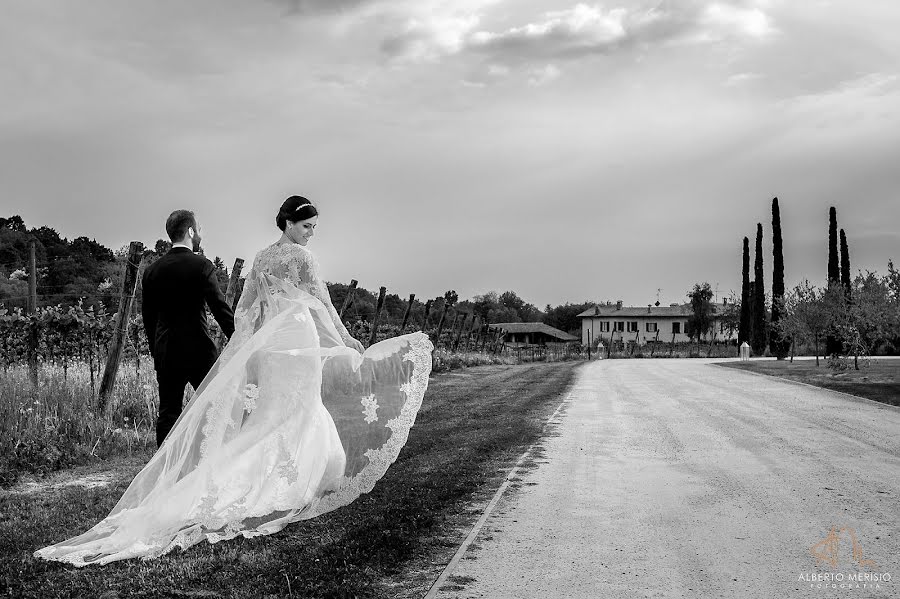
<point x="347" y="297"/>
<point x="31" y="309"/>
<point x="437" y="339"/>
<point x="231" y="293"/>
<point x="121" y="333"/>
<point x="462" y="325"/>
<point x="427" y="310"/>
<point x="412" y="297"/>
<point x="377" y="316"/>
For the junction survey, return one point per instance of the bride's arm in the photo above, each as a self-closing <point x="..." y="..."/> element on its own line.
<point x="309" y="274"/>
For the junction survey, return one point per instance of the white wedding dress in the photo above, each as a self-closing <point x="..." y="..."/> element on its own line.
<point x="289" y="424"/>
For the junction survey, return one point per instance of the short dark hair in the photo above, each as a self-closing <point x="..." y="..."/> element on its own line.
<point x="293" y="209"/>
<point x="178" y="223"/>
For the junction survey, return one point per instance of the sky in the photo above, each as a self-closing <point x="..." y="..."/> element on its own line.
<point x="567" y="151"/>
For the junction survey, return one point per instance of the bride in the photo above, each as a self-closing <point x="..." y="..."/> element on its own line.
<point x="293" y="421"/>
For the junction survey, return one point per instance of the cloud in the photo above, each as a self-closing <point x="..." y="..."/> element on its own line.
<point x="544" y="75"/>
<point x="579" y="30"/>
<point x="435" y="30"/>
<point x="719" y="19"/>
<point x="741" y="78"/>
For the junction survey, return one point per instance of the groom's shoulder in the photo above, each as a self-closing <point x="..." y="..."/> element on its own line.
<point x="178" y="261"/>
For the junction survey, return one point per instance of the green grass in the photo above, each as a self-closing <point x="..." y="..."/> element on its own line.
<point x="392" y="542"/>
<point x="879" y="380"/>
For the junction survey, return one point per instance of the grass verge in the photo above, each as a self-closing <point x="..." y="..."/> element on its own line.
<point x="392" y="542"/>
<point x="879" y="380"/>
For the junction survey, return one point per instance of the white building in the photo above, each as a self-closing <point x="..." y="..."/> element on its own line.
<point x="650" y="324"/>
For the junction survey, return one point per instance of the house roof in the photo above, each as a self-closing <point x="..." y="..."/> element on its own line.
<point x="534" y="327"/>
<point x="679" y="311"/>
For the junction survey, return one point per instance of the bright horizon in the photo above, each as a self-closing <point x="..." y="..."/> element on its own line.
<point x="566" y="151"/>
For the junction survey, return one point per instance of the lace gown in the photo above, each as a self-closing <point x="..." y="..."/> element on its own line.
<point x="289" y="424"/>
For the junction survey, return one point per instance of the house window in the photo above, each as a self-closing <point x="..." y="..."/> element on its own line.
<point x="676" y="327"/>
<point x="651" y="327"/>
<point x="620" y="325"/>
<point x="632" y="326"/>
<point x="604" y="326"/>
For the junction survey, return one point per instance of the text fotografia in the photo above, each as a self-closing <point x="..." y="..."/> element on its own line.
<point x="848" y="580"/>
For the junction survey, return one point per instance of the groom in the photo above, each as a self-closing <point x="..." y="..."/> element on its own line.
<point x="176" y="290"/>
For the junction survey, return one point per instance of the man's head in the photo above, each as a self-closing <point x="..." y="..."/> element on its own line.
<point x="182" y="227"/>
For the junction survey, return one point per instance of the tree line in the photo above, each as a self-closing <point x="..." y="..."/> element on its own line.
<point x="849" y="316"/>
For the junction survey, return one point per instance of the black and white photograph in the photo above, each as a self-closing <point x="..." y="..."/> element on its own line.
<point x="433" y="299"/>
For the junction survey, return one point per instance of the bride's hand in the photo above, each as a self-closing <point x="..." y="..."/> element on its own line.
<point x="355" y="345"/>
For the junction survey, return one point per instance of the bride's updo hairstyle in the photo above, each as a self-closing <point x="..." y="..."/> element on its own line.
<point x="293" y="209"/>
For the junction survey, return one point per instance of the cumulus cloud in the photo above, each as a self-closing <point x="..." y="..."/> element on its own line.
<point x="430" y="30"/>
<point x="719" y="18"/>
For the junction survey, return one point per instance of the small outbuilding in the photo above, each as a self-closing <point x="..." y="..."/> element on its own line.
<point x="521" y="334"/>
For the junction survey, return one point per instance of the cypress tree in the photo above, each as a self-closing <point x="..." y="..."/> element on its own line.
<point x="778" y="345"/>
<point x="759" y="298"/>
<point x="832" y="344"/>
<point x="845" y="265"/>
<point x="744" y="330"/>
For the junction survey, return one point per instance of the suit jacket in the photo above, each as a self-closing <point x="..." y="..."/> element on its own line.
<point x="176" y="289"/>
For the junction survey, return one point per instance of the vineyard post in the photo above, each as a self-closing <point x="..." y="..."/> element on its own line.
<point x="120" y="334"/>
<point x="230" y="293"/>
<point x="348" y="297"/>
<point x="412" y="297"/>
<point x="636" y="338"/>
<point x="32" y="309"/>
<point x="589" y="345"/>
<point x="498" y="347"/>
<point x="238" y="292"/>
<point x="476" y="324"/>
<point x="437" y="339"/>
<point x="456" y="314"/>
<point x="427" y="310"/>
<point x="672" y="347"/>
<point x="486" y="336"/>
<point x="462" y="325"/>
<point x="377" y="316"/>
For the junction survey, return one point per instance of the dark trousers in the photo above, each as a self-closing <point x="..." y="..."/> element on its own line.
<point x="171" y="392"/>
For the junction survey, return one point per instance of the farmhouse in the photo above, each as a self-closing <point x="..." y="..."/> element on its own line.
<point x="520" y="334"/>
<point x="650" y="324"/>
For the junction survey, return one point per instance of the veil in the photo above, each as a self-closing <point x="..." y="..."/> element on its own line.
<point x="289" y="424"/>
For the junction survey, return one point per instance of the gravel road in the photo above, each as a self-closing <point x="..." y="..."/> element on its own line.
<point x="678" y="478"/>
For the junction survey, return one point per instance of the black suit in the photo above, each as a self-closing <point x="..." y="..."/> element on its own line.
<point x="176" y="289"/>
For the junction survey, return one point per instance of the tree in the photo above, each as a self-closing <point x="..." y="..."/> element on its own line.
<point x="804" y="315"/>
<point x="162" y="247"/>
<point x="565" y="317"/>
<point x="221" y="273"/>
<point x="451" y="297"/>
<point x="13" y="223"/>
<point x="746" y="325"/>
<point x="871" y="310"/>
<point x="778" y="345"/>
<point x="700" y="322"/>
<point x="758" y="342"/>
<point x="732" y="313"/>
<point x="832" y="344"/>
<point x="845" y="265"/>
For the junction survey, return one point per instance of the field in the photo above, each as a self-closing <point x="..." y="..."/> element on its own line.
<point x="879" y="380"/>
<point x="392" y="542"/>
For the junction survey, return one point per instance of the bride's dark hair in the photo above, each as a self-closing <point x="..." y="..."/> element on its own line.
<point x="293" y="209"/>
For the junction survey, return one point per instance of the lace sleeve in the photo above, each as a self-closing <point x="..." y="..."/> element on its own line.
<point x="307" y="273"/>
